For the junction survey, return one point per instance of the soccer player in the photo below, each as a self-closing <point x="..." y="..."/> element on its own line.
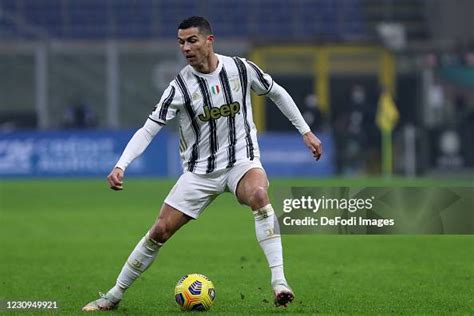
<point x="210" y="98"/>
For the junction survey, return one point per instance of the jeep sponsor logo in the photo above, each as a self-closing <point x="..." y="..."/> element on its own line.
<point x="215" y="113"/>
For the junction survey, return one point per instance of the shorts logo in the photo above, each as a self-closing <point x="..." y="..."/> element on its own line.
<point x="215" y="113"/>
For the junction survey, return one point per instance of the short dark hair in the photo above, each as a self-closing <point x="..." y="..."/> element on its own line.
<point x="196" y="21"/>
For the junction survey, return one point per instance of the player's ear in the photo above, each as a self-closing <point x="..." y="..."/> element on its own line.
<point x="210" y="38"/>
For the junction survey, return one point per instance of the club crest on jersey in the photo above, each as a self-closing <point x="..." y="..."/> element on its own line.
<point x="235" y="84"/>
<point x="215" y="89"/>
<point x="224" y="111"/>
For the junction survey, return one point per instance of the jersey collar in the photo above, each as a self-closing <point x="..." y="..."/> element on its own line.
<point x="212" y="74"/>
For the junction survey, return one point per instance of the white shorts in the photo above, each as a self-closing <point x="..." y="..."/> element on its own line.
<point x="192" y="193"/>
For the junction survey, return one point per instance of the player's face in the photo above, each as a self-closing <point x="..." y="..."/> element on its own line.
<point x="195" y="46"/>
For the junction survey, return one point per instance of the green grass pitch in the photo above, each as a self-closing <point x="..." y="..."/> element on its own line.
<point x="65" y="240"/>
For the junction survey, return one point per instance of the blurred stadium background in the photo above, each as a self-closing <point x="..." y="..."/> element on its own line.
<point x="79" y="76"/>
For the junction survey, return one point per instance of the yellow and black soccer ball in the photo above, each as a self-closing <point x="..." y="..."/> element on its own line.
<point x="194" y="292"/>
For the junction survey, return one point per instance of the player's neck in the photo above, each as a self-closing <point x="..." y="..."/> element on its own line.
<point x="209" y="65"/>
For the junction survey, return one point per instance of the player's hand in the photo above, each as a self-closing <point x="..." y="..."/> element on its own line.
<point x="314" y="144"/>
<point x="115" y="179"/>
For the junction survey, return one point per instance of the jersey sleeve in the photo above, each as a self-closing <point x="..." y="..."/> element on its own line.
<point x="260" y="82"/>
<point x="168" y="107"/>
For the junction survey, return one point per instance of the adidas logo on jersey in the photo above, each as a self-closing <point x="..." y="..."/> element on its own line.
<point x="215" y="113"/>
<point x="196" y="96"/>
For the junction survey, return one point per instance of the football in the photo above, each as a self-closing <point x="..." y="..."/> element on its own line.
<point x="194" y="292"/>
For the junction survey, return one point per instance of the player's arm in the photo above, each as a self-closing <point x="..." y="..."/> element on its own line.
<point x="135" y="147"/>
<point x="263" y="84"/>
<point x="287" y="106"/>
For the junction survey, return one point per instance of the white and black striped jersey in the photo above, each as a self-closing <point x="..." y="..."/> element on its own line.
<point x="214" y="113"/>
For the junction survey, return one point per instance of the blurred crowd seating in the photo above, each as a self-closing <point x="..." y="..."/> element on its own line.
<point x="142" y="19"/>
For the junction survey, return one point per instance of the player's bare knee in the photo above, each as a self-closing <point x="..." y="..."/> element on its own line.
<point x="259" y="198"/>
<point x="160" y="232"/>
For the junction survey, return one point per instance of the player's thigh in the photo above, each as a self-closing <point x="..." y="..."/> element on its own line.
<point x="246" y="179"/>
<point x="253" y="187"/>
<point x="192" y="193"/>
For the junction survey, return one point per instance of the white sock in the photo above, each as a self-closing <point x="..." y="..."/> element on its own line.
<point x="116" y="292"/>
<point x="139" y="260"/>
<point x="268" y="235"/>
<point x="278" y="276"/>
